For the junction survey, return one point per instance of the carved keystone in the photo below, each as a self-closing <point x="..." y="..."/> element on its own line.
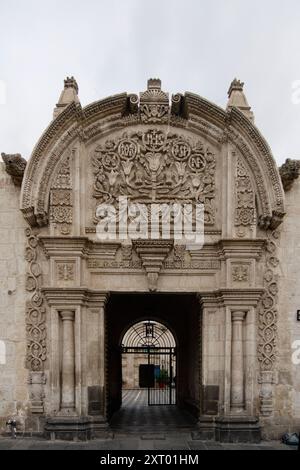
<point x="152" y="254"/>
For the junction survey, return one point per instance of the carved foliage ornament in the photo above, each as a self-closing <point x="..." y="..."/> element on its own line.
<point x="267" y="325"/>
<point x="61" y="202"/>
<point x="35" y="309"/>
<point x="65" y="271"/>
<point x="154" y="103"/>
<point x="155" y="166"/>
<point x="240" y="273"/>
<point x="245" y="202"/>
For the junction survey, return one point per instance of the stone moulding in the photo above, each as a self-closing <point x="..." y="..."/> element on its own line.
<point x="73" y="123"/>
<point x="71" y="296"/>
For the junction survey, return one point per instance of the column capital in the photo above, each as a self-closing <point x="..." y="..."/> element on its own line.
<point x="67" y="315"/>
<point x="238" y="315"/>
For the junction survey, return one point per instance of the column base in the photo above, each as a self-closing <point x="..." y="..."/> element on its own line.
<point x="237" y="428"/>
<point x="206" y="429"/>
<point x="75" y="428"/>
<point x="67" y="412"/>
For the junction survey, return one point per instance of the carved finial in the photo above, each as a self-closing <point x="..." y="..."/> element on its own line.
<point x="15" y="166"/>
<point x="70" y="82"/>
<point x="235" y="85"/>
<point x="237" y="99"/>
<point x="154" y="83"/>
<point x="289" y="172"/>
<point x="68" y="95"/>
<point x="154" y="103"/>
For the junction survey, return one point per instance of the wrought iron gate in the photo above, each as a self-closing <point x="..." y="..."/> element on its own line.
<point x="157" y="373"/>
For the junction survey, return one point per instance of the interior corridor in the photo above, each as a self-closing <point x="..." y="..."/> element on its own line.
<point x="136" y="415"/>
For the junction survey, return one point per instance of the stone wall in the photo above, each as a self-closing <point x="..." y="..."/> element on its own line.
<point x="287" y="390"/>
<point x="13" y="375"/>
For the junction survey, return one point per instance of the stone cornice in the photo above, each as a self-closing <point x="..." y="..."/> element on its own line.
<point x="68" y="297"/>
<point x="78" y="246"/>
<point x="84" y="247"/>
<point x="237" y="298"/>
<point x="241" y="248"/>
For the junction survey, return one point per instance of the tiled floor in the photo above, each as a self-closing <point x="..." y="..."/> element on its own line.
<point x="136" y="415"/>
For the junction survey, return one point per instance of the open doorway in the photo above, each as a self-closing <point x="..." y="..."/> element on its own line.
<point x="139" y="327"/>
<point x="148" y="365"/>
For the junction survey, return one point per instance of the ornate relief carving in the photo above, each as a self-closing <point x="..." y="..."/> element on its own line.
<point x="289" y="172"/>
<point x="61" y="198"/>
<point x="154" y="103"/>
<point x="65" y="271"/>
<point x="35" y="324"/>
<point x="111" y="113"/>
<point x="245" y="202"/>
<point x="35" y="312"/>
<point x="154" y="166"/>
<point x="152" y="254"/>
<point x="240" y="273"/>
<point x="178" y="258"/>
<point x="264" y="151"/>
<point x="15" y="166"/>
<point x="267" y="325"/>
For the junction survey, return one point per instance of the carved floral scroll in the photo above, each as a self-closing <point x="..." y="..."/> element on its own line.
<point x="155" y="166"/>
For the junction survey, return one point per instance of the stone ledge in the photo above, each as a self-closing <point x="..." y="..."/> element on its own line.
<point x="75" y="428"/>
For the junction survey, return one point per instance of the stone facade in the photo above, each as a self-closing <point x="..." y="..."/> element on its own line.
<point x="14" y="394"/>
<point x="67" y="297"/>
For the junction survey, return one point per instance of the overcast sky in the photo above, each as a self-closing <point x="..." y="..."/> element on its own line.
<point x="112" y="46"/>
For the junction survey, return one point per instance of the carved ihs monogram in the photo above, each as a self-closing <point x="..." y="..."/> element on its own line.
<point x="155" y="166"/>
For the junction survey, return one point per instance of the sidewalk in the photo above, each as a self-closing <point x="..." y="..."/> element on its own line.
<point x="136" y="442"/>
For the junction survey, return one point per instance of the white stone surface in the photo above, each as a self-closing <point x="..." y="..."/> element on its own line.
<point x="13" y="375"/>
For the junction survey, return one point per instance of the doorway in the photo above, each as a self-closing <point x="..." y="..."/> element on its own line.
<point x="149" y="363"/>
<point x="168" y="392"/>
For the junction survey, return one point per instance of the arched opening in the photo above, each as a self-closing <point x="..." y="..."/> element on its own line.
<point x="148" y="365"/>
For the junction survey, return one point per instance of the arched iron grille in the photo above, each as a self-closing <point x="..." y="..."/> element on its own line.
<point x="148" y="333"/>
<point x="153" y="347"/>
